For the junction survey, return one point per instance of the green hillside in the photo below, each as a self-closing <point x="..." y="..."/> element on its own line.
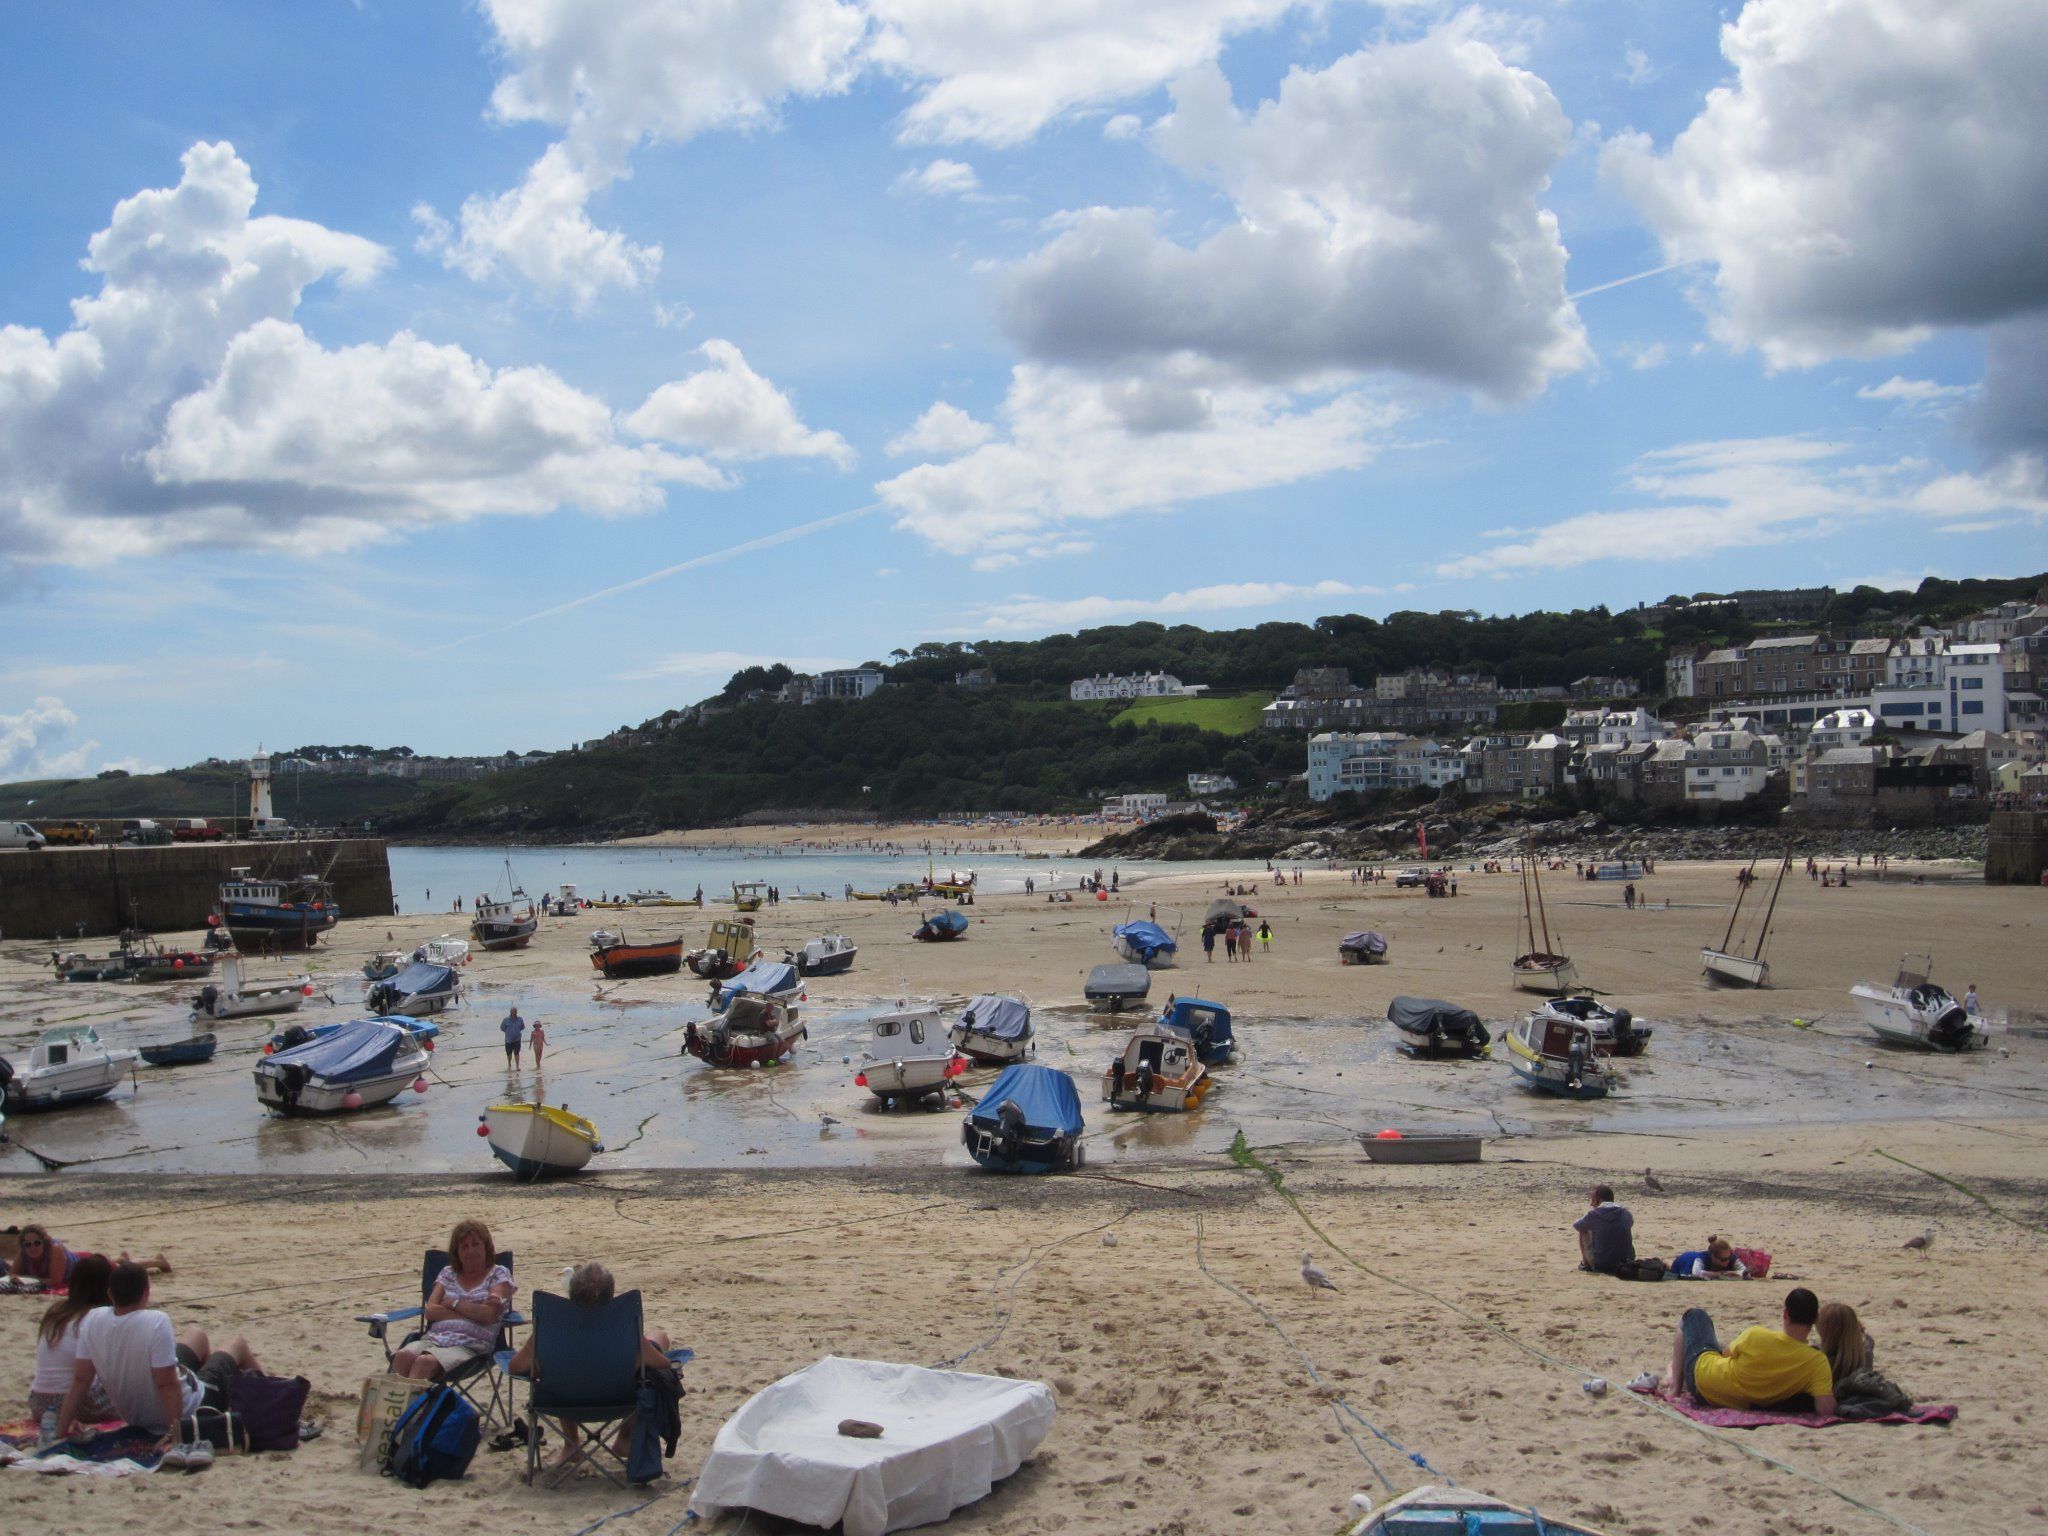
<point x="1236" y="715"/>
<point x="316" y="799"/>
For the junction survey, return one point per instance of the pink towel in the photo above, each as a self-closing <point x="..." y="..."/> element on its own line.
<point x="1753" y="1418"/>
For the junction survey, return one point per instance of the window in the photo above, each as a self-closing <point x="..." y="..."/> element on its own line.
<point x="1973" y="706"/>
<point x="917" y="1031"/>
<point x="1973" y="682"/>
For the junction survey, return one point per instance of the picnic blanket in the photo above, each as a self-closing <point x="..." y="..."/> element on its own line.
<point x="1755" y="1418"/>
<point x="123" y="1452"/>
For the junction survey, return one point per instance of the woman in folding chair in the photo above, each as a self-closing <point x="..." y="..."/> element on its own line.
<point x="464" y="1312"/>
<point x="586" y="1357"/>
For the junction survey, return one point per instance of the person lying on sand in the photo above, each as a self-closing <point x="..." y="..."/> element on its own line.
<point x="43" y="1258"/>
<point x="1763" y="1368"/>
<point x="1716" y="1261"/>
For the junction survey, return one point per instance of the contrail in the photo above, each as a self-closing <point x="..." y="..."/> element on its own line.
<point x="766" y="541"/>
<point x="1623" y="282"/>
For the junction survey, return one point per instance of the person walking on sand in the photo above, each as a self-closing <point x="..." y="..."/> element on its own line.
<point x="1265" y="936"/>
<point x="539" y="1039"/>
<point x="1230" y="942"/>
<point x="1970" y="1001"/>
<point x="1209" y="942"/>
<point x="515" y="1034"/>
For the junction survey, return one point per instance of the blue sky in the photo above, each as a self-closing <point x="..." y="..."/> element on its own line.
<point x="359" y="364"/>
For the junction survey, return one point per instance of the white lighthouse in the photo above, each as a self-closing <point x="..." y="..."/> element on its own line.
<point x="262" y="821"/>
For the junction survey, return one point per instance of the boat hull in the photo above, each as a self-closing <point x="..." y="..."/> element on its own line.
<point x="1554" y="1075"/>
<point x="1553" y="975"/>
<point x="914" y="1079"/>
<point x="505" y="935"/>
<point x="181" y="1053"/>
<point x="537" y="1142"/>
<point x="1893" y="1022"/>
<point x="324" y="1097"/>
<point x="37" y="1092"/>
<point x="837" y="963"/>
<point x="1726" y="970"/>
<point x="252" y="1005"/>
<point x="1036" y="1152"/>
<point x="292" y="926"/>
<point x="1422" y="1149"/>
<point x="991" y="1050"/>
<point x="740" y="1050"/>
<point x="619" y="961"/>
<point x="1436" y="1045"/>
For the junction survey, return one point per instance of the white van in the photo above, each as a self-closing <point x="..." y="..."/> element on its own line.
<point x="19" y="834"/>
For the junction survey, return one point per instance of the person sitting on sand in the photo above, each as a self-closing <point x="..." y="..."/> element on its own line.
<point x="152" y="1377"/>
<point x="1763" y="1368"/>
<point x="1606" y="1234"/>
<point x="57" y="1343"/>
<point x="1861" y="1390"/>
<point x="1716" y="1261"/>
<point x="43" y="1258"/>
<point x="591" y="1285"/>
<point x="464" y="1309"/>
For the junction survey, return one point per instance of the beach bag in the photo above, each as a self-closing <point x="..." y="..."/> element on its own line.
<point x="385" y="1399"/>
<point x="1869" y="1394"/>
<point x="221" y="1429"/>
<point x="435" y="1439"/>
<point x="269" y="1408"/>
<point x="1641" y="1269"/>
<point x="1756" y="1261"/>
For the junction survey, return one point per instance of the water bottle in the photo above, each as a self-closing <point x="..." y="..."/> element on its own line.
<point x="48" y="1435"/>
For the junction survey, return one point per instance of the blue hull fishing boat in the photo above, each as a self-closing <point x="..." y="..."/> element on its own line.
<point x="1029" y="1121"/>
<point x="944" y="924"/>
<point x="288" y="914"/>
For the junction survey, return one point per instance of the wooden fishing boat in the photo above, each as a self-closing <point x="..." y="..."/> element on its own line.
<point x="1540" y="968"/>
<point x="86" y="968"/>
<point x="507" y="923"/>
<point x="181" y="1053"/>
<point x="754" y="1031"/>
<point x="1435" y="1511"/>
<point x="539" y="1141"/>
<point x="1727" y="965"/>
<point x="1560" y="1056"/>
<point x="618" y="959"/>
<point x="287" y="914"/>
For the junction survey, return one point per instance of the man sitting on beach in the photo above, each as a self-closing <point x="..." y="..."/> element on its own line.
<point x="1763" y="1368"/>
<point x="153" y="1377"/>
<point x="1606" y="1234"/>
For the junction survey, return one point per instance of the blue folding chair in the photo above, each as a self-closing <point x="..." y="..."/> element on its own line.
<point x="491" y="1395"/>
<point x="586" y="1372"/>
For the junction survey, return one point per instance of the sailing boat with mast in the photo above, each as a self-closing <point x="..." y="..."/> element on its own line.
<point x="1728" y="965"/>
<point x="1540" y="968"/>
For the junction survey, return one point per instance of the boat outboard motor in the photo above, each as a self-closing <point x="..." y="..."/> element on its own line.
<point x="294" y="1035"/>
<point x="1010" y="1128"/>
<point x="1146" y="1079"/>
<point x="1624" y="1027"/>
<point x="1116" y="1078"/>
<point x="1575" y="1066"/>
<point x="292" y="1078"/>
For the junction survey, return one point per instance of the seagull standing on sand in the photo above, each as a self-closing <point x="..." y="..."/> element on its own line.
<point x="1312" y="1274"/>
<point x="1923" y="1242"/>
<point x="1654" y="1184"/>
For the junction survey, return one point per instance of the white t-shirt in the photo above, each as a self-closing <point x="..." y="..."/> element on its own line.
<point x="124" y="1349"/>
<point x="54" y="1361"/>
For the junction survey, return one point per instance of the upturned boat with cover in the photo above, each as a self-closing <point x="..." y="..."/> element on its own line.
<point x="1429" y="1026"/>
<point x="1029" y="1121"/>
<point x="829" y="954"/>
<point x="994" y="1030"/>
<point x="420" y="989"/>
<point x="754" y="1031"/>
<point x="1913" y="1011"/>
<point x="1615" y="1030"/>
<point x="941" y="925"/>
<point x="1143" y="942"/>
<point x="1157" y="1071"/>
<point x="291" y="914"/>
<point x="539" y="1141"/>
<point x="1560" y="1056"/>
<point x="507" y="922"/>
<point x="67" y="1066"/>
<point x="358" y="1065"/>
<point x="1729" y="965"/>
<point x="1362" y="949"/>
<point x="909" y="1056"/>
<point x="234" y="997"/>
<point x="617" y="959"/>
<point x="764" y="978"/>
<point x="1117" y="986"/>
<point x="1539" y="968"/>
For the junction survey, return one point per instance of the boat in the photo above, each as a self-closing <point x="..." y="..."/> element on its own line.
<point x="909" y="1056"/>
<point x="941" y="925"/>
<point x="510" y="923"/>
<point x="1205" y="1023"/>
<point x="762" y="977"/>
<point x="660" y="899"/>
<point x="748" y="895"/>
<point x="1615" y="1030"/>
<point x="291" y="914"/>
<point x="754" y="1031"/>
<point x="420" y="989"/>
<point x="1728" y="965"/>
<point x="425" y="1031"/>
<point x="829" y="954"/>
<point x="1439" y="1511"/>
<point x="1117" y="986"/>
<point x="1143" y="942"/>
<point x="81" y="967"/>
<point x="67" y="1066"/>
<point x="1913" y="1011"/>
<point x="1420" y="1147"/>
<point x="1429" y="1026"/>
<point x="1540" y="968"/>
<point x="234" y="998"/>
<point x="354" y="1065"/>
<point x="727" y="950"/>
<point x="906" y="890"/>
<point x="181" y="1053"/>
<point x="1158" y="1071"/>
<point x="994" y="1030"/>
<point x="539" y="1141"/>
<point x="616" y="959"/>
<point x="446" y="950"/>
<point x="1560" y="1056"/>
<point x="146" y="960"/>
<point x="1029" y="1121"/>
<point x="383" y="965"/>
<point x="952" y="888"/>
<point x="1362" y="949"/>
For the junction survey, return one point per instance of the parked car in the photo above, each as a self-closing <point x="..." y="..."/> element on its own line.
<point x="195" y="829"/>
<point x="19" y="834"/>
<point x="1409" y="878"/>
<point x="68" y="831"/>
<point x="143" y="830"/>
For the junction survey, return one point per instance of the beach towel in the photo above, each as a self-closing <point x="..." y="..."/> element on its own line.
<point x="123" y="1452"/>
<point x="1756" y="1418"/>
<point x="23" y="1434"/>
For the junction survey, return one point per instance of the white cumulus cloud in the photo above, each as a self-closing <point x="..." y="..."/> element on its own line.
<point x="29" y="743"/>
<point x="939" y="178"/>
<point x="728" y="411"/>
<point x="942" y="432"/>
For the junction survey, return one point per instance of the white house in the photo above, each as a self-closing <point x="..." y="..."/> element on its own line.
<point x="1849" y="727"/>
<point x="1626" y="727"/>
<point x="1363" y="762"/>
<point x="1145" y="685"/>
<point x="1726" y="765"/>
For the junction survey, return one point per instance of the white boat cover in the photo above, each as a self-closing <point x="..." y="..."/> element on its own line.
<point x="947" y="1436"/>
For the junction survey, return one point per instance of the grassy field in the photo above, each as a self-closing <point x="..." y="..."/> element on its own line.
<point x="1236" y="715"/>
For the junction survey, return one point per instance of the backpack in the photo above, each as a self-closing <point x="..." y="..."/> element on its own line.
<point x="434" y="1438"/>
<point x="1641" y="1269"/>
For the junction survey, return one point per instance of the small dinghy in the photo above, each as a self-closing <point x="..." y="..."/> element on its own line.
<point x="1158" y="1071"/>
<point x="1117" y="986"/>
<point x="1362" y="949"/>
<point x="1145" y="943"/>
<point x="994" y="1030"/>
<point x="383" y="965"/>
<point x="909" y="1057"/>
<point x="181" y="1053"/>
<point x="1419" y="1146"/>
<point x="80" y="967"/>
<point x="1435" y="1511"/>
<point x="233" y="997"/>
<point x="446" y="950"/>
<point x="928" y="1442"/>
<point x="1914" y="1012"/>
<point x="1429" y="1026"/>
<point x="1029" y="1121"/>
<point x="1205" y="1023"/>
<point x="829" y="954"/>
<point x="1615" y="1030"/>
<point x="356" y="1065"/>
<point x="1560" y="1056"/>
<point x="942" y="925"/>
<point x="763" y="977"/>
<point x="539" y="1141"/>
<point x="68" y="1066"/>
<point x="754" y="1031"/>
<point x="420" y="989"/>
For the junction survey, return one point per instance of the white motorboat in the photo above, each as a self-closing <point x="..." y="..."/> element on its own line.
<point x="1616" y="1031"/>
<point x="383" y="965"/>
<point x="540" y="1141"/>
<point x="446" y="950"/>
<point x="507" y="922"/>
<point x="829" y="954"/>
<point x="909" y="1056"/>
<point x="1914" y="1011"/>
<point x="357" y="1065"/>
<point x="1558" y="1055"/>
<point x="234" y="997"/>
<point x="995" y="1030"/>
<point x="422" y="988"/>
<point x="68" y="1066"/>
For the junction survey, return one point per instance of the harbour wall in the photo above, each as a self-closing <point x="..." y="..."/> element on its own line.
<point x="51" y="891"/>
<point x="2016" y="849"/>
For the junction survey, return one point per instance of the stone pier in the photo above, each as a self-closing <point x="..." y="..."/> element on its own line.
<point x="2016" y="850"/>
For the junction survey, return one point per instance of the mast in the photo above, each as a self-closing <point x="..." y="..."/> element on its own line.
<point x="1741" y="890"/>
<point x="1765" y="931"/>
<point x="1528" y="920"/>
<point x="1536" y="880"/>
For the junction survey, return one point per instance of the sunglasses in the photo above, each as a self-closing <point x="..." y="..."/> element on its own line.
<point x="32" y="1242"/>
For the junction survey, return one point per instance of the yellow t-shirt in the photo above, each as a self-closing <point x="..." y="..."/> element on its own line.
<point x="1762" y="1366"/>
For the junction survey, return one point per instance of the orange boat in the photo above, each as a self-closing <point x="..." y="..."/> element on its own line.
<point x="619" y="959"/>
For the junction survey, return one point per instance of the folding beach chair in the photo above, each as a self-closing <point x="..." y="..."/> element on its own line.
<point x="478" y="1380"/>
<point x="586" y="1372"/>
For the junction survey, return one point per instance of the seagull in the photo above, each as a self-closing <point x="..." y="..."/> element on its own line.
<point x="1655" y="1184"/>
<point x="1923" y="1242"/>
<point x="1312" y="1275"/>
<point x="828" y="1119"/>
<point x="1109" y="1239"/>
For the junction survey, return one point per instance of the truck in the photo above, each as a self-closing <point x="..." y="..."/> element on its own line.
<point x="140" y="829"/>
<point x="68" y="831"/>
<point x="19" y="834"/>
<point x="195" y="829"/>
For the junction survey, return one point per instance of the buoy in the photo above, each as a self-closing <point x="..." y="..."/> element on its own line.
<point x="860" y="1080"/>
<point x="419" y="1085"/>
<point x="1388" y="1136"/>
<point x="177" y="965"/>
<point x="351" y="1100"/>
<point x="483" y="1130"/>
<point x="427" y="1045"/>
<point x="306" y="990"/>
<point x="268" y="1047"/>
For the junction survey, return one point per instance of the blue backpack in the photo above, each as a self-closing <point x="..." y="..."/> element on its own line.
<point x="434" y="1438"/>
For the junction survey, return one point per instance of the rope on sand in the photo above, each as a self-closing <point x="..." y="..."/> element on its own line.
<point x="1957" y="1185"/>
<point x="1008" y="1306"/>
<point x="1244" y="1157"/>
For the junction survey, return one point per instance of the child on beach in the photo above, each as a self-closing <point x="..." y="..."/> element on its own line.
<point x="538" y="1038"/>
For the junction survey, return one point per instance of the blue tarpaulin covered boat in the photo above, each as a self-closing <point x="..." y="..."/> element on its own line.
<point x="422" y="988"/>
<point x="946" y="924"/>
<point x="764" y="978"/>
<point x="356" y="1065"/>
<point x="1207" y="1024"/>
<point x="1029" y="1121"/>
<point x="994" y="1030"/>
<point x="1144" y="943"/>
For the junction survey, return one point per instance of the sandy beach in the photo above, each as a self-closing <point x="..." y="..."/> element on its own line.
<point x="1202" y="1387"/>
